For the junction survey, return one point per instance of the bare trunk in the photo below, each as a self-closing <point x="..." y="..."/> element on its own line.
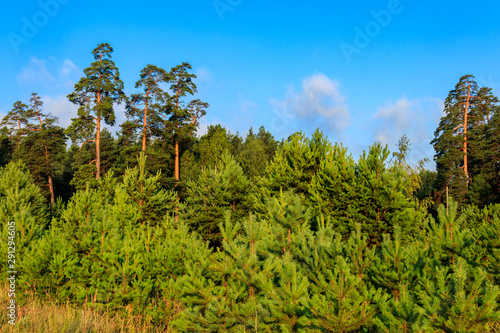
<point x="51" y="186"/>
<point x="176" y="167"/>
<point x="176" y="159"/>
<point x="466" y="113"/>
<point x="145" y="122"/>
<point x="19" y="126"/>
<point x="98" y="140"/>
<point x="176" y="175"/>
<point x="47" y="160"/>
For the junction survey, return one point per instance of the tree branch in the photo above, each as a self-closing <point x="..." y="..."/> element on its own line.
<point x="85" y="143"/>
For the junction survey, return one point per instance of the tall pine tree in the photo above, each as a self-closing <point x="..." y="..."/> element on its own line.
<point x="95" y="94"/>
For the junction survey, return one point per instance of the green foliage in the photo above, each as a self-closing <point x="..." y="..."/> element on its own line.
<point x="6" y="147"/>
<point x="16" y="121"/>
<point x="43" y="153"/>
<point x="232" y="296"/>
<point x="95" y="94"/>
<point x="465" y="132"/>
<point x="370" y="192"/>
<point x="256" y="235"/>
<point x="448" y="240"/>
<point x="217" y="190"/>
<point x="460" y="299"/>
<point x="141" y="191"/>
<point x="97" y="91"/>
<point x="343" y="302"/>
<point x="397" y="266"/>
<point x="489" y="238"/>
<point x="401" y="314"/>
<point x="295" y="164"/>
<point x="23" y="214"/>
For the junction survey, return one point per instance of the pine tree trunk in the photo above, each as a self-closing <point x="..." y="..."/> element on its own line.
<point x="145" y="122"/>
<point x="19" y="134"/>
<point x="177" y="145"/>
<point x="177" y="160"/>
<point x="97" y="149"/>
<point x="466" y="113"/>
<point x="98" y="140"/>
<point x="51" y="186"/>
<point x="49" y="176"/>
<point x="98" y="134"/>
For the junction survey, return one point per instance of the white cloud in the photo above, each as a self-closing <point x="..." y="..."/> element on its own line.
<point x="60" y="107"/>
<point x="35" y="72"/>
<point x="69" y="73"/>
<point x="416" y="118"/>
<point x="319" y="104"/>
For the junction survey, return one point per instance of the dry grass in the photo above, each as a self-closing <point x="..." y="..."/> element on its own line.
<point x="47" y="317"/>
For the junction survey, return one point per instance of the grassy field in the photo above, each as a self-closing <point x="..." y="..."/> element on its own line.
<point x="48" y="317"/>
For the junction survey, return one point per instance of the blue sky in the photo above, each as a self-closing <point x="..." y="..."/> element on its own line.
<point x="360" y="71"/>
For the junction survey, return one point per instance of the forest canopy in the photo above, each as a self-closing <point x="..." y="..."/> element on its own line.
<point x="216" y="232"/>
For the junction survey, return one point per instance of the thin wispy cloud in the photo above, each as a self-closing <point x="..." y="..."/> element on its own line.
<point x="203" y="75"/>
<point x="35" y="72"/>
<point x="40" y="72"/>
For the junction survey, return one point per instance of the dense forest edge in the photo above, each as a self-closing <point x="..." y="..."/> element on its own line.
<point x="218" y="233"/>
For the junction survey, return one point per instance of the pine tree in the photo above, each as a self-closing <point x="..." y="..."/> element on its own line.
<point x="490" y="242"/>
<point x="492" y="157"/>
<point x="43" y="153"/>
<point x="396" y="265"/>
<point x="222" y="188"/>
<point x="296" y="163"/>
<point x="232" y="299"/>
<point x="270" y="144"/>
<point x="288" y="218"/>
<point x="287" y="297"/>
<point x="16" y="121"/>
<point x="143" y="192"/>
<point x="342" y="302"/>
<point x="23" y="215"/>
<point x="448" y="240"/>
<point x="44" y="146"/>
<point x="334" y="189"/>
<point x="95" y="94"/>
<point x="398" y="270"/>
<point x="400" y="315"/>
<point x="293" y="167"/>
<point x="210" y="147"/>
<point x="460" y="141"/>
<point x="83" y="162"/>
<point x="359" y="252"/>
<point x="147" y="103"/>
<point x="459" y="299"/>
<point x="6" y="147"/>
<point x="181" y="84"/>
<point x="253" y="157"/>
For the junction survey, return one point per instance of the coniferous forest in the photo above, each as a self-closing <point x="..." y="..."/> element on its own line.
<point x="215" y="233"/>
